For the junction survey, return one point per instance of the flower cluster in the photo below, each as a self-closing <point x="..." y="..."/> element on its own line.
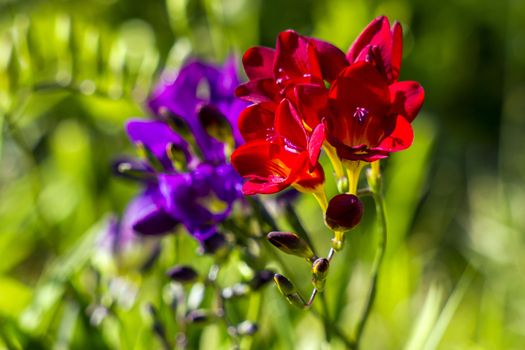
<point x="186" y="174"/>
<point x="307" y="94"/>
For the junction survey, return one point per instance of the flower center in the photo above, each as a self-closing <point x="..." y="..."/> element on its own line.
<point x="360" y="114"/>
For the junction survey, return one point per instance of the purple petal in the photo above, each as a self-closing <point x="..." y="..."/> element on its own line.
<point x="156" y="136"/>
<point x="146" y="216"/>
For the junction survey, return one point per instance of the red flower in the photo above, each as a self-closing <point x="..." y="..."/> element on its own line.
<point x="369" y="118"/>
<point x="297" y="62"/>
<point x="275" y="158"/>
<point x="306" y="90"/>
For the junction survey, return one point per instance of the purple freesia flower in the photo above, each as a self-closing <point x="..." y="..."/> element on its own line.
<point x="202" y="98"/>
<point x="187" y="178"/>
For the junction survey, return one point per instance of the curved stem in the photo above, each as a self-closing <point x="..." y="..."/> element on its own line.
<point x="380" y="252"/>
<point x="326" y="318"/>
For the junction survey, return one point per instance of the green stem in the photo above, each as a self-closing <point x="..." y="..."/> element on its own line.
<point x="380" y="252"/>
<point x="326" y="318"/>
<point x="221" y="304"/>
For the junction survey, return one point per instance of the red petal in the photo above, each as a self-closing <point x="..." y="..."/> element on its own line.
<point x="360" y="85"/>
<point x="289" y="126"/>
<point x="256" y="91"/>
<point x="315" y="143"/>
<point x="258" y="62"/>
<point x="310" y="180"/>
<point x="331" y="59"/>
<point x="312" y="101"/>
<point x="397" y="50"/>
<point x="260" y="163"/>
<point x="407" y="98"/>
<point x="270" y="168"/>
<point x="295" y="59"/>
<point x="378" y="27"/>
<point x="401" y="137"/>
<point x="250" y="188"/>
<point x="257" y="121"/>
<point x="381" y="45"/>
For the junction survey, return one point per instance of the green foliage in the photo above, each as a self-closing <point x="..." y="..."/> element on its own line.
<point x="72" y="72"/>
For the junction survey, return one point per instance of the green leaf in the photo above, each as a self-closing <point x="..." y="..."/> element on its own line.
<point x="15" y="296"/>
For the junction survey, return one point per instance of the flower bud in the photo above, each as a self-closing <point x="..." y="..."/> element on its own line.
<point x="344" y="212"/>
<point x="215" y="244"/>
<point x="296" y="300"/>
<point x="290" y="243"/>
<point x="288" y="290"/>
<point x="261" y="278"/>
<point x="319" y="273"/>
<point x="285" y="286"/>
<point x="132" y="169"/>
<point x="182" y="273"/>
<point x="199" y="316"/>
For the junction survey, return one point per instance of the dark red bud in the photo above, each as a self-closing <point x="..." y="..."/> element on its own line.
<point x="290" y="243"/>
<point x="182" y="273"/>
<point x="344" y="212"/>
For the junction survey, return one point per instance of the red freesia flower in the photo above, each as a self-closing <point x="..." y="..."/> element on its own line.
<point x="278" y="157"/>
<point x="307" y="90"/>
<point x="369" y="118"/>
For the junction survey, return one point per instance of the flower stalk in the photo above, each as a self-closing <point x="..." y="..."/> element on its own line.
<point x="375" y="183"/>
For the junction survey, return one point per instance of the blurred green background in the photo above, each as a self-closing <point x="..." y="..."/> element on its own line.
<point x="72" y="72"/>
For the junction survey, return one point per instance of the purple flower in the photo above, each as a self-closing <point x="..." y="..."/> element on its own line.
<point x="201" y="98"/>
<point x="187" y="179"/>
